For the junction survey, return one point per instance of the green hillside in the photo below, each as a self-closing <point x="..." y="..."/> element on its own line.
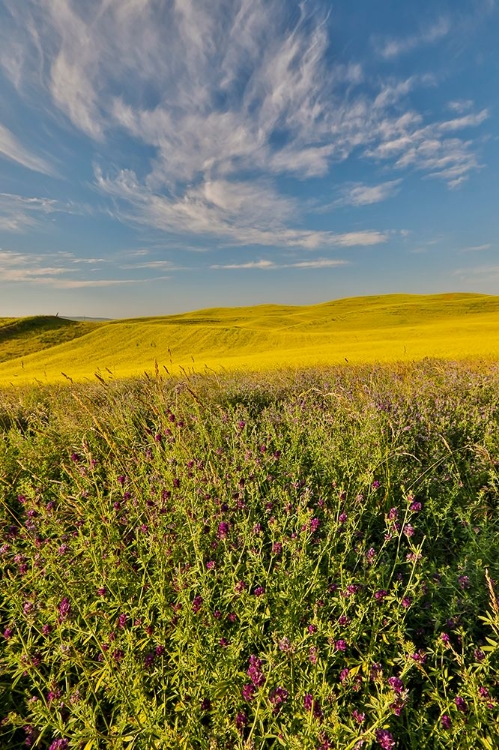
<point x="362" y="329"/>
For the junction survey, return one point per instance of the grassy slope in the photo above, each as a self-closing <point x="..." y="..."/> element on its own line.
<point x="362" y="329"/>
<point x="22" y="336"/>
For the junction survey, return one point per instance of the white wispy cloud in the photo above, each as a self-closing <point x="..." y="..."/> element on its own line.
<point x="33" y="269"/>
<point x="270" y="264"/>
<point x="229" y="97"/>
<point x="19" y="213"/>
<point x="364" y="195"/>
<point x="393" y="48"/>
<point x="11" y="148"/>
<point x="476" y="248"/>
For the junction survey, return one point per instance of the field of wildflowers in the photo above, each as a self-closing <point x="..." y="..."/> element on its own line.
<point x="306" y="560"/>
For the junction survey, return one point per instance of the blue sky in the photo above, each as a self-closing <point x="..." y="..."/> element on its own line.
<point x="166" y="155"/>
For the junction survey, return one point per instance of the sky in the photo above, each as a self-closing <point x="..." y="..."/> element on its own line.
<point x="160" y="156"/>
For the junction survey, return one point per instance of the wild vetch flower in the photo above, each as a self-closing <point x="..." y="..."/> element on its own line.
<point x="312" y="629"/>
<point x="342" y="518"/>
<point x="397" y="706"/>
<point x="376" y="485"/>
<point x="484" y="693"/>
<point x="359" y="718"/>
<point x="206" y="704"/>
<point x="419" y="657"/>
<point x="415" y="507"/>
<point x="285" y="645"/>
<point x="385" y="739"/>
<point x="341" y="645"/>
<point x="446" y="721"/>
<point x="461" y="704"/>
<point x="7" y="633"/>
<point x="240" y="587"/>
<point x="241" y="720"/>
<point x="277" y="548"/>
<point x="211" y="565"/>
<point x="248" y="692"/>
<point x="312" y="655"/>
<point x="371" y="555"/>
<point x="149" y="660"/>
<point x="393" y="514"/>
<point x="278" y="697"/>
<point x="223" y="642"/>
<point x="406" y="602"/>
<point x="118" y="655"/>
<point x="344" y="674"/>
<point x="314" y="525"/>
<point x="259" y="591"/>
<point x="479" y="655"/>
<point x="376" y="671"/>
<point x="445" y="638"/>
<point x="61" y="744"/>
<point x="396" y="684"/>
<point x="343" y="620"/>
<point x="122" y="620"/>
<point x="223" y="530"/>
<point x="255" y="671"/>
<point x="64" y="609"/>
<point x="408" y="530"/>
<point x="464" y="582"/>
<point x="197" y="604"/>
<point x="379" y="595"/>
<point x="102" y="591"/>
<point x="159" y="650"/>
<point x="257" y="529"/>
<point x="53" y="695"/>
<point x="310" y="704"/>
<point x="27" y="607"/>
<point x="46" y="629"/>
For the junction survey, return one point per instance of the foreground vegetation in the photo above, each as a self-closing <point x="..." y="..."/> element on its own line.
<point x="305" y="559"/>
<point x="387" y="328"/>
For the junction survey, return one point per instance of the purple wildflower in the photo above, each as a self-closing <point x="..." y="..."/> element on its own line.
<point x="285" y="645"/>
<point x="223" y="530"/>
<point x="122" y="620"/>
<point x="445" y="638"/>
<point x="211" y="565"/>
<point x="206" y="704"/>
<point x="464" y="582"/>
<point x="380" y="595"/>
<point x="248" y="692"/>
<point x="241" y="720"/>
<point x="408" y="530"/>
<point x="64" y="609"/>
<point x="385" y="739"/>
<point x="240" y="587"/>
<point x="312" y="655"/>
<point x="277" y="548"/>
<point x="314" y="525"/>
<point x="406" y="602"/>
<point x="359" y="718"/>
<point x="344" y="674"/>
<point x="197" y="604"/>
<point x="278" y="697"/>
<point x="446" y="721"/>
<point x="255" y="671"/>
<point x="415" y="507"/>
<point x="393" y="514"/>
<point x="259" y="591"/>
<point x="7" y="633"/>
<point x="396" y="684"/>
<point x="461" y="704"/>
<point x="61" y="744"/>
<point x="340" y="645"/>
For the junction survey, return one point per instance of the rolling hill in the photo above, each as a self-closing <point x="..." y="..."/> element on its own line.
<point x="362" y="329"/>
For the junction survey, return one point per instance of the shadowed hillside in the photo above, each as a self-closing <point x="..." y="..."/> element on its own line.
<point x="362" y="329"/>
<point x="22" y="336"/>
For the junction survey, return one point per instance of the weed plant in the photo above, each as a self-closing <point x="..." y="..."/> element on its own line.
<point x="304" y="560"/>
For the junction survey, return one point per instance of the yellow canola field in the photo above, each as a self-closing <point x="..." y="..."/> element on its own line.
<point x="386" y="328"/>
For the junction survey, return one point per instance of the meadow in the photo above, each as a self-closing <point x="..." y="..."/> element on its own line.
<point x="304" y="558"/>
<point x="386" y="328"/>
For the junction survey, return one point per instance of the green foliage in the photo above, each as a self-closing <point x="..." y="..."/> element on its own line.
<point x="304" y="560"/>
